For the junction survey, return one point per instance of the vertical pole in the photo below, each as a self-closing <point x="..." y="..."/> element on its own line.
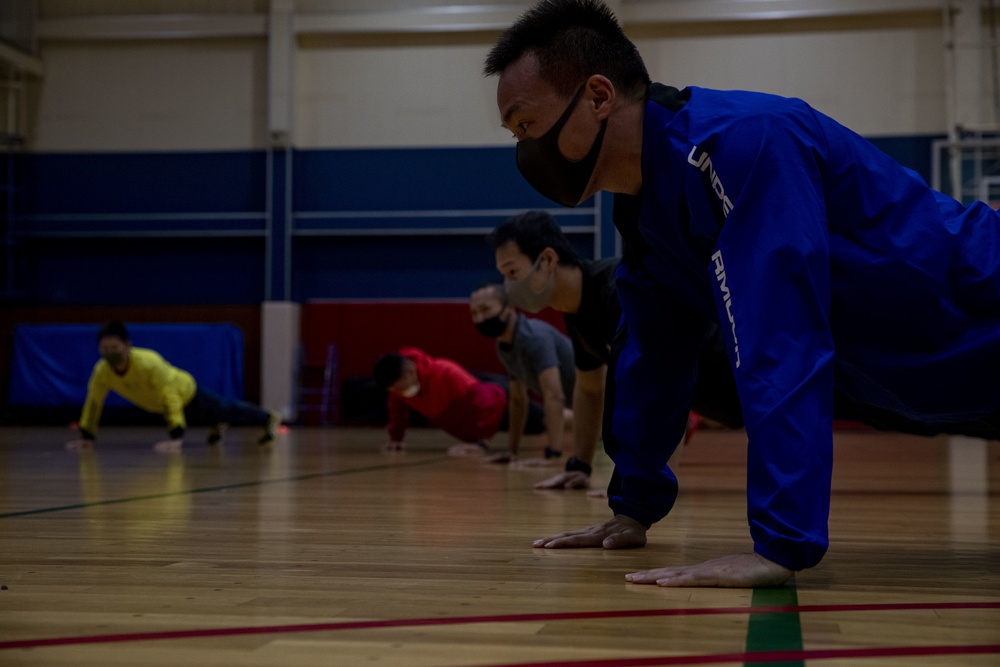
<point x="268" y="221"/>
<point x="598" y="240"/>
<point x="951" y="100"/>
<point x="963" y="79"/>
<point x="279" y="357"/>
<point x="281" y="55"/>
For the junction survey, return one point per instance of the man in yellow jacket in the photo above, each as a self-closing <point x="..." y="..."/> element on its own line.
<point x="144" y="378"/>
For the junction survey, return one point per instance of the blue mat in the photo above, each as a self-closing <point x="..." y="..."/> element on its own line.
<point x="52" y="362"/>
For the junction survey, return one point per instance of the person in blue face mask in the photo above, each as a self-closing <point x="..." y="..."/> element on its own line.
<point x="832" y="271"/>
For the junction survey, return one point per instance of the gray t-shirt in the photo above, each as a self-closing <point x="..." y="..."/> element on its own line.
<point x="538" y="346"/>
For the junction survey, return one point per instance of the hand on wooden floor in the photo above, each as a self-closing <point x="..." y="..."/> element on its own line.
<point x="736" y="571"/>
<point x="620" y="532"/>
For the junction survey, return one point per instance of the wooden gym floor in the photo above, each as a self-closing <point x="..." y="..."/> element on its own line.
<point x="320" y="550"/>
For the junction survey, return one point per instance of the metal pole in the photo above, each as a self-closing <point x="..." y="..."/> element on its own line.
<point x="951" y="100"/>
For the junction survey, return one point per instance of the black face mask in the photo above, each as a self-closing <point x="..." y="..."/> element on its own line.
<point x="493" y="327"/>
<point x="547" y="170"/>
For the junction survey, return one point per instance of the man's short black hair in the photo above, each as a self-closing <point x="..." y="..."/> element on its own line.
<point x="573" y="39"/>
<point x="533" y="232"/>
<point x="497" y="290"/>
<point x="113" y="329"/>
<point x="388" y="369"/>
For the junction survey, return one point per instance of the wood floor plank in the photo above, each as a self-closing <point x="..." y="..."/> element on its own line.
<point x="254" y="556"/>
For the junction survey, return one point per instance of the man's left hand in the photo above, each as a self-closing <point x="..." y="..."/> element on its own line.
<point x="736" y="571"/>
<point x="568" y="479"/>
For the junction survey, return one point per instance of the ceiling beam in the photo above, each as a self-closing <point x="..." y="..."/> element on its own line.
<point x="455" y="18"/>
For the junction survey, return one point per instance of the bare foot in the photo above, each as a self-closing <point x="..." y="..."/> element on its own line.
<point x="736" y="571"/>
<point x="168" y="446"/>
<point x="568" y="479"/>
<point x="79" y="445"/>
<point x="620" y="532"/>
<point x="466" y="449"/>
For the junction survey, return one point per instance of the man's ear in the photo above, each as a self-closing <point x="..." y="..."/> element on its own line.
<point x="600" y="94"/>
<point x="551" y="256"/>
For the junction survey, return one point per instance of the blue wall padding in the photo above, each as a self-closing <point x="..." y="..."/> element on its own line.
<point x="52" y="363"/>
<point x="138" y="254"/>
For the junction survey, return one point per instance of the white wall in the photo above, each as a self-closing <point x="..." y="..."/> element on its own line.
<point x="877" y="82"/>
<point x="395" y="96"/>
<point x="420" y="90"/>
<point x="152" y="95"/>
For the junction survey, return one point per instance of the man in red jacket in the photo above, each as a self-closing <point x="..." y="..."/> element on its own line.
<point x="447" y="394"/>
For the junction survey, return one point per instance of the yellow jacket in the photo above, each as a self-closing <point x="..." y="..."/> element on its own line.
<point x="149" y="382"/>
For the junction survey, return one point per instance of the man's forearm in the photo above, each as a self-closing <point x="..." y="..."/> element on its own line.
<point x="588" y="409"/>
<point x="554" y="420"/>
<point x="517" y="417"/>
<point x="398" y="419"/>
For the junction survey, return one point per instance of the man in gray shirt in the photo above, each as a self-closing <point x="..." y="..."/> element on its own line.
<point x="538" y="358"/>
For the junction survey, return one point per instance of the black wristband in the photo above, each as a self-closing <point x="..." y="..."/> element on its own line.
<point x="86" y="435"/>
<point x="176" y="433"/>
<point x="573" y="463"/>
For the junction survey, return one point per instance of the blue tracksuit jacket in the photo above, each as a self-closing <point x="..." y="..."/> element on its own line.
<point x="824" y="261"/>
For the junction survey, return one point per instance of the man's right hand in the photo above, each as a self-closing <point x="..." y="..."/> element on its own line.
<point x="620" y="532"/>
<point x="79" y="445"/>
<point x="568" y="479"/>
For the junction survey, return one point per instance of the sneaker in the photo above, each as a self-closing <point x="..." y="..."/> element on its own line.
<point x="216" y="432"/>
<point x="273" y="422"/>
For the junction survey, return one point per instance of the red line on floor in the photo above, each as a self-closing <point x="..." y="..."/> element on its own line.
<point x="769" y="656"/>
<point x="460" y="620"/>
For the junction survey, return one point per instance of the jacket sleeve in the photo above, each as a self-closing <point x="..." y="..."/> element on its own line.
<point x="97" y="392"/>
<point x="650" y="384"/>
<point x="771" y="281"/>
<point x="170" y="393"/>
<point x="399" y="417"/>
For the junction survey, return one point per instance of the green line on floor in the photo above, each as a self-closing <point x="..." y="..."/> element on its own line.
<point x="775" y="631"/>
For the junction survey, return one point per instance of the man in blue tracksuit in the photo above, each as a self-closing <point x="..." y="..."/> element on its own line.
<point x="831" y="269"/>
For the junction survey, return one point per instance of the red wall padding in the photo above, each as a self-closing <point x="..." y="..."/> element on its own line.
<point x="364" y="330"/>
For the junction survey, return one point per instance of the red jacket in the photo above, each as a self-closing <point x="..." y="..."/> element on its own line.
<point x="451" y="398"/>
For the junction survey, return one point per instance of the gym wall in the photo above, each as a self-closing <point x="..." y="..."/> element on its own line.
<point x="147" y="180"/>
<point x="167" y="139"/>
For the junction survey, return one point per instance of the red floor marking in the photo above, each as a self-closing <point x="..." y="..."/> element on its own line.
<point x="769" y="656"/>
<point x="507" y="618"/>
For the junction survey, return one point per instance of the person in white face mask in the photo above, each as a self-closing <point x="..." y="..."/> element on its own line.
<point x="541" y="269"/>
